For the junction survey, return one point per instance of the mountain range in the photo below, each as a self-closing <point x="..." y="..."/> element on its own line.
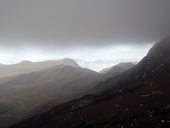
<point x="30" y="88"/>
<point x="47" y="84"/>
<point x="137" y="97"/>
<point x="28" y="67"/>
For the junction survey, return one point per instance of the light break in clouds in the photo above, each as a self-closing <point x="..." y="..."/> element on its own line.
<point x="95" y="59"/>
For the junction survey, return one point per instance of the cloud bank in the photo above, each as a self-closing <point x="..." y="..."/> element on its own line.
<point x="82" y="23"/>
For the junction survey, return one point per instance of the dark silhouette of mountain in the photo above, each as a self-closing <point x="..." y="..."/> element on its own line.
<point x="28" y="67"/>
<point x="153" y="65"/>
<point x="28" y="94"/>
<point x="136" y="98"/>
<point x="116" y="70"/>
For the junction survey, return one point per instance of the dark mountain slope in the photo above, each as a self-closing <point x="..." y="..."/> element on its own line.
<point x="147" y="107"/>
<point x="142" y="99"/>
<point x="152" y="66"/>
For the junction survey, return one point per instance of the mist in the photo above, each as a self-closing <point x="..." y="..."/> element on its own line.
<point x="92" y="58"/>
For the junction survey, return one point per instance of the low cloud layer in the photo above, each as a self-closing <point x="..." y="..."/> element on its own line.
<point x="82" y="23"/>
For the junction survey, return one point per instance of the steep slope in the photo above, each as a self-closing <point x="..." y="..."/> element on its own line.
<point x="153" y="65"/>
<point x="137" y="98"/>
<point x="116" y="70"/>
<point x="147" y="107"/>
<point x="38" y="91"/>
<point x="28" y="67"/>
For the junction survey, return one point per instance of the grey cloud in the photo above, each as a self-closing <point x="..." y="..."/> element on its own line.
<point x="58" y="23"/>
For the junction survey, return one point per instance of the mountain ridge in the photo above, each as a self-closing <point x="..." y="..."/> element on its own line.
<point x="116" y="70"/>
<point x="137" y="98"/>
<point x="47" y="87"/>
<point x="28" y="66"/>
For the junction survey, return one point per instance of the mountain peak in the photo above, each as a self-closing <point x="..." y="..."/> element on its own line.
<point x="69" y="61"/>
<point x="158" y="55"/>
<point x="161" y="48"/>
<point x="120" y="66"/>
<point x="151" y="67"/>
<point x="25" y="62"/>
<point x="125" y="64"/>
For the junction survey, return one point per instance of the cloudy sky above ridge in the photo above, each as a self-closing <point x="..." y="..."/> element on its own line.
<point x="71" y="28"/>
<point x="83" y="22"/>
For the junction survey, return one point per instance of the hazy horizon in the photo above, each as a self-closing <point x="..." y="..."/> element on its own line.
<point x="110" y="31"/>
<point x="101" y="58"/>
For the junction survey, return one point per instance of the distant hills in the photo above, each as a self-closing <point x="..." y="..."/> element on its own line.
<point x="138" y="97"/>
<point x="32" y="88"/>
<point x="116" y="70"/>
<point x="28" y="67"/>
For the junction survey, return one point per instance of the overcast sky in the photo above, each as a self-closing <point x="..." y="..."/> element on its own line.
<point x="42" y="28"/>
